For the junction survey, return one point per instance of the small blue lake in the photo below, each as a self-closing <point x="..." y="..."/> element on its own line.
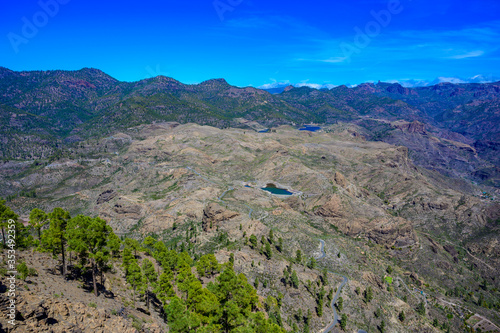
<point x="264" y="131"/>
<point x="310" y="128"/>
<point x="276" y="190"/>
<point x="248" y="186"/>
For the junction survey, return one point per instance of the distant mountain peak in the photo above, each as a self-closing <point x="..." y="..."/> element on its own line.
<point x="91" y="70"/>
<point x="215" y="82"/>
<point x="5" y="71"/>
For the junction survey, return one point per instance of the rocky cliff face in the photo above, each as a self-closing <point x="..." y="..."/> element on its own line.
<point x="385" y="230"/>
<point x="215" y="213"/>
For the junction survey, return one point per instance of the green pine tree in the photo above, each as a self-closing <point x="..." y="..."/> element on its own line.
<point x="324" y="277"/>
<point x="268" y="252"/>
<point x="312" y="263"/>
<point x="177" y="316"/>
<point x="340" y="303"/>
<point x="133" y="244"/>
<point x="22" y="270"/>
<point x="149" y="272"/>
<point x="368" y="295"/>
<point x="134" y="277"/>
<point x="164" y="288"/>
<point x="114" y="244"/>
<point x="253" y="241"/>
<point x="402" y="316"/>
<point x="54" y="238"/>
<point x="280" y="245"/>
<point x="38" y="219"/>
<point x="298" y="256"/>
<point x="343" y="321"/>
<point x="88" y="237"/>
<point x="421" y="308"/>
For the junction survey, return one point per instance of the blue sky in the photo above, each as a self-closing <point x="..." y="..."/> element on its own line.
<point x="254" y="42"/>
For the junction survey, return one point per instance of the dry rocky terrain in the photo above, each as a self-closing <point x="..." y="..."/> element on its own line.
<point x="371" y="205"/>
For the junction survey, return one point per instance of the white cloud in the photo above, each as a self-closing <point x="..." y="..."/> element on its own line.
<point x="275" y="84"/>
<point x="471" y="54"/>
<point x="286" y="83"/>
<point x="454" y="80"/>
<point x="314" y="85"/>
<point x="411" y="83"/>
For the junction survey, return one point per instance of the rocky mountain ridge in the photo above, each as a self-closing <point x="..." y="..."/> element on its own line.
<point x="43" y="112"/>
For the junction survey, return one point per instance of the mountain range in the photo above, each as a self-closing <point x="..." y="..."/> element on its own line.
<point x="451" y="128"/>
<point x="278" y="87"/>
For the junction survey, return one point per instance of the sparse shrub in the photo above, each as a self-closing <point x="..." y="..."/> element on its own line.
<point x="402" y="316"/>
<point x="421" y="309"/>
<point x="343" y="321"/>
<point x="368" y="295"/>
<point x="22" y="269"/>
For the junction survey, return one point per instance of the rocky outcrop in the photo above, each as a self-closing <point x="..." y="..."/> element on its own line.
<point x="106" y="196"/>
<point x="333" y="208"/>
<point x="131" y="211"/>
<point x="444" y="265"/>
<point x="215" y="213"/>
<point x="372" y="279"/>
<point x="391" y="231"/>
<point x="451" y="250"/>
<point x="340" y="179"/>
<point x="384" y="230"/>
<point x="41" y="314"/>
<point x="489" y="247"/>
<point x="396" y="88"/>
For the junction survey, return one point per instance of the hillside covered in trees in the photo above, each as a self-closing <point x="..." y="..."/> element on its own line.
<point x="169" y="281"/>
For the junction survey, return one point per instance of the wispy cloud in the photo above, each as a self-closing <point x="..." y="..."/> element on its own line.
<point x="469" y="42"/>
<point x="471" y="54"/>
<point x="455" y="80"/>
<point x="315" y="85"/>
<point x="304" y="83"/>
<point x="335" y="60"/>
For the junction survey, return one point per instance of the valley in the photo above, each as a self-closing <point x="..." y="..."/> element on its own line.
<point x="364" y="222"/>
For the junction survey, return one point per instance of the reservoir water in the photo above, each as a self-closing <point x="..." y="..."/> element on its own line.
<point x="310" y="128"/>
<point x="276" y="190"/>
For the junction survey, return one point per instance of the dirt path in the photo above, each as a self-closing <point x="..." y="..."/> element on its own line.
<point x="337" y="294"/>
